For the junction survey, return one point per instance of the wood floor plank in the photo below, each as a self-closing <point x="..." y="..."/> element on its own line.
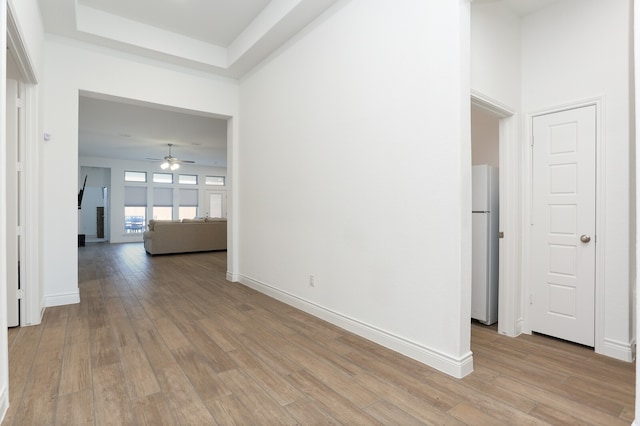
<point x="104" y="347"/>
<point x="307" y="412"/>
<point x="330" y="401"/>
<point x="78" y="330"/>
<point x="76" y="368"/>
<point x="230" y="411"/>
<point x="472" y="415"/>
<point x="388" y="414"/>
<point x="262" y="407"/>
<point x="154" y="346"/>
<point x="112" y="405"/>
<point x="405" y="401"/>
<point x="413" y="384"/>
<point x="201" y="373"/>
<point x="220" y="336"/>
<point x="39" y="399"/>
<point x="219" y="360"/>
<point x="170" y="333"/>
<point x="153" y="410"/>
<point x="554" y="416"/>
<point x="281" y="390"/>
<point x="184" y="401"/>
<point x="22" y="353"/>
<point x="75" y="408"/>
<point x="124" y="333"/>
<point x="140" y="377"/>
<point x="166" y="340"/>
<point x="588" y="414"/>
<point x="339" y="381"/>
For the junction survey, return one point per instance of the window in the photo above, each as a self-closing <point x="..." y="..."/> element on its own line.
<point x="188" y="179"/>
<point x="135" y="207"/>
<point x="214" y="180"/>
<point x="162" y="213"/>
<point x="163" y="177"/>
<point x="188" y="207"/>
<point x="187" y="212"/>
<point x="135" y="176"/>
<point x="162" y="203"/>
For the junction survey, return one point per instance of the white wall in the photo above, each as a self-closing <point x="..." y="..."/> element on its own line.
<point x="366" y="116"/>
<point x="484" y="138"/>
<point x="71" y="67"/>
<point x="117" y="184"/>
<point x="495" y="53"/>
<point x="572" y="51"/>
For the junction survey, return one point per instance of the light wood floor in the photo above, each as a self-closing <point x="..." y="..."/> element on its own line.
<point x="166" y="340"/>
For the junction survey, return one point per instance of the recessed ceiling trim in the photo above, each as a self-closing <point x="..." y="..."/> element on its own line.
<point x="261" y="25"/>
<point x="122" y="30"/>
<point x="272" y="26"/>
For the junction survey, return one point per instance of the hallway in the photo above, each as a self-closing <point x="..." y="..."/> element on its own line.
<point x="167" y="340"/>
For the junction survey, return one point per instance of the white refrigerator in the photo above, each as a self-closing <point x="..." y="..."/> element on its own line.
<point x="484" y="254"/>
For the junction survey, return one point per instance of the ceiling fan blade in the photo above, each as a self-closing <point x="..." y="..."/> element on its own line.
<point x="170" y="158"/>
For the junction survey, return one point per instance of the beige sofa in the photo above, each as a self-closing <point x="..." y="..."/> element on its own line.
<point x="188" y="235"/>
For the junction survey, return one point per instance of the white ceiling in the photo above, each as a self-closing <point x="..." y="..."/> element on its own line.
<point x="117" y="128"/>
<point x="227" y="37"/>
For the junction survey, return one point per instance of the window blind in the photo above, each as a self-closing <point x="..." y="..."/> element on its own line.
<point x="135" y="196"/>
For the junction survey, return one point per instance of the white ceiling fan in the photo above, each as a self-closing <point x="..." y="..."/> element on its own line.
<point x="170" y="162"/>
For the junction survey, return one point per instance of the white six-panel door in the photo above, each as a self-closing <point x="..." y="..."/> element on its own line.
<point x="563" y="225"/>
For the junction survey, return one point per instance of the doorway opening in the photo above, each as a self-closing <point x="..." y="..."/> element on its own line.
<point x="494" y="131"/>
<point x="128" y="137"/>
<point x="485" y="162"/>
<point x="94" y="215"/>
<point x="216" y="204"/>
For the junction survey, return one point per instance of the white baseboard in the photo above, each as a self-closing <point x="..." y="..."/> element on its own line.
<point x="456" y="367"/>
<point x="62" y="299"/>
<point x="618" y="350"/>
<point x="234" y="278"/>
<point x="4" y="402"/>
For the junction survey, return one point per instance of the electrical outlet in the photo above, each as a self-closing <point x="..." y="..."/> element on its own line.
<point x="312" y="281"/>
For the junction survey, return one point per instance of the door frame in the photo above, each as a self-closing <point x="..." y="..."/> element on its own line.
<point x="207" y="199"/>
<point x="32" y="303"/>
<point x="600" y="235"/>
<point x="510" y="247"/>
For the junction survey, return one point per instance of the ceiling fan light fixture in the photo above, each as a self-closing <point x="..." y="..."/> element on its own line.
<point x="170" y="162"/>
